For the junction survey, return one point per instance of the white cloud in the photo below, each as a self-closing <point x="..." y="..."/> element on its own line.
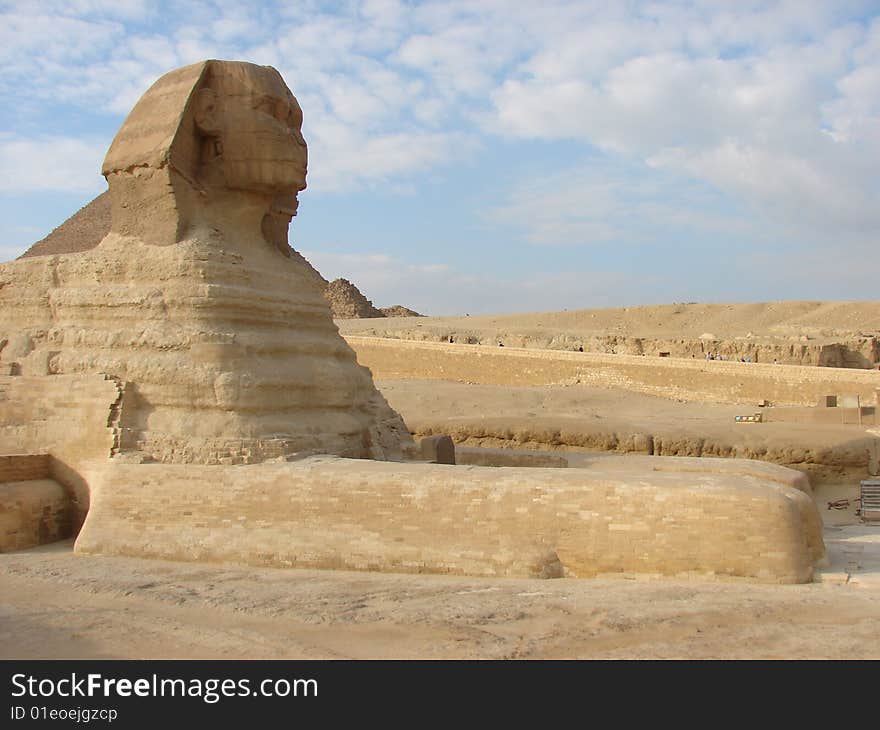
<point x="50" y="164"/>
<point x="598" y="202"/>
<point x="786" y="124"/>
<point x="29" y="40"/>
<point x="385" y="279"/>
<point x="122" y="9"/>
<point x="438" y="289"/>
<point x="342" y="157"/>
<point x="811" y="195"/>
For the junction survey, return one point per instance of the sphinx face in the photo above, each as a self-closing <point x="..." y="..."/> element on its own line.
<point x="254" y="125"/>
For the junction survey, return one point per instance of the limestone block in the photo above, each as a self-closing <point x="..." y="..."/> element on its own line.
<point x="438" y="449"/>
<point x="72" y="419"/>
<point x="33" y="513"/>
<point x="23" y="467"/>
<point x="509" y="457"/>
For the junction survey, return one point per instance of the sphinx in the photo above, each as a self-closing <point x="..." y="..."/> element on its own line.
<point x="223" y="342"/>
<point x="216" y="144"/>
<point x="188" y="385"/>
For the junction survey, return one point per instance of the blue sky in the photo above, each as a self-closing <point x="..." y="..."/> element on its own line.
<point x="502" y="156"/>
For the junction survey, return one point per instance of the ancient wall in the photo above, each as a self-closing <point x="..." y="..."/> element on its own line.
<point x="32" y="513"/>
<point x="829" y="334"/>
<point x="22" y="467"/>
<point x="34" y="509"/>
<point x="691" y="380"/>
<point x="509" y="457"/>
<point x="634" y="462"/>
<point x="70" y="418"/>
<point x="328" y="512"/>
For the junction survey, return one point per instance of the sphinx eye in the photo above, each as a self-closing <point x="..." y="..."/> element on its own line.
<point x="281" y="111"/>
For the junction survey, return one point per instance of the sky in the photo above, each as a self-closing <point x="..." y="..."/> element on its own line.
<point x="494" y="156"/>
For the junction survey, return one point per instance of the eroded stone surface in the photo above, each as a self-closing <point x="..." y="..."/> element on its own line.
<point x="326" y="512"/>
<point x="225" y="341"/>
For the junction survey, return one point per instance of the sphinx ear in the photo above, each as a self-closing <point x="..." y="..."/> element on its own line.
<point x="206" y="113"/>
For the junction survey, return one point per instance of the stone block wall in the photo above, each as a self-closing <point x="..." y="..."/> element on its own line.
<point x="69" y="419"/>
<point x="328" y="512"/>
<point x="509" y="457"/>
<point x="692" y="380"/>
<point x="33" y="512"/>
<point x="22" y="467"/>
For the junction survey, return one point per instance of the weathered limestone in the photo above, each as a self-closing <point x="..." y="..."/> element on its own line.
<point x="874" y="457"/>
<point x="828" y="334"/>
<point x="346" y="300"/>
<point x="23" y="467"/>
<point x="438" y="449"/>
<point x="34" y="508"/>
<point x="68" y="421"/>
<point x="225" y="341"/>
<point x="326" y="512"/>
<point x="33" y="513"/>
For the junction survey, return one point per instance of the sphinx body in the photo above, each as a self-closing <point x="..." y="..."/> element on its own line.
<point x="223" y="343"/>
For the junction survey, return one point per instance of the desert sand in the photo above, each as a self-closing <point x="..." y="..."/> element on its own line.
<point x="57" y="604"/>
<point x="603" y="419"/>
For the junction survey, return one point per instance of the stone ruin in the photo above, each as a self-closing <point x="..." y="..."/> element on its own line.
<point x="227" y="353"/>
<point x="347" y="302"/>
<point x="184" y="386"/>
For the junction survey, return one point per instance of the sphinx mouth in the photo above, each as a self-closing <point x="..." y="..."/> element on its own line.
<point x="285" y="206"/>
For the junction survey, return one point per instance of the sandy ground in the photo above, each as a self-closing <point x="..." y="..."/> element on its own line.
<point x="538" y="417"/>
<point x="56" y="604"/>
<point x="422" y="402"/>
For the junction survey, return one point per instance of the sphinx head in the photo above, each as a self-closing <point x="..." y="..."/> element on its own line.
<point x="214" y="131"/>
<point x="251" y="126"/>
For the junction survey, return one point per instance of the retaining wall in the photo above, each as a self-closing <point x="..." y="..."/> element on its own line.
<point x="327" y="512"/>
<point x="691" y="380"/>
